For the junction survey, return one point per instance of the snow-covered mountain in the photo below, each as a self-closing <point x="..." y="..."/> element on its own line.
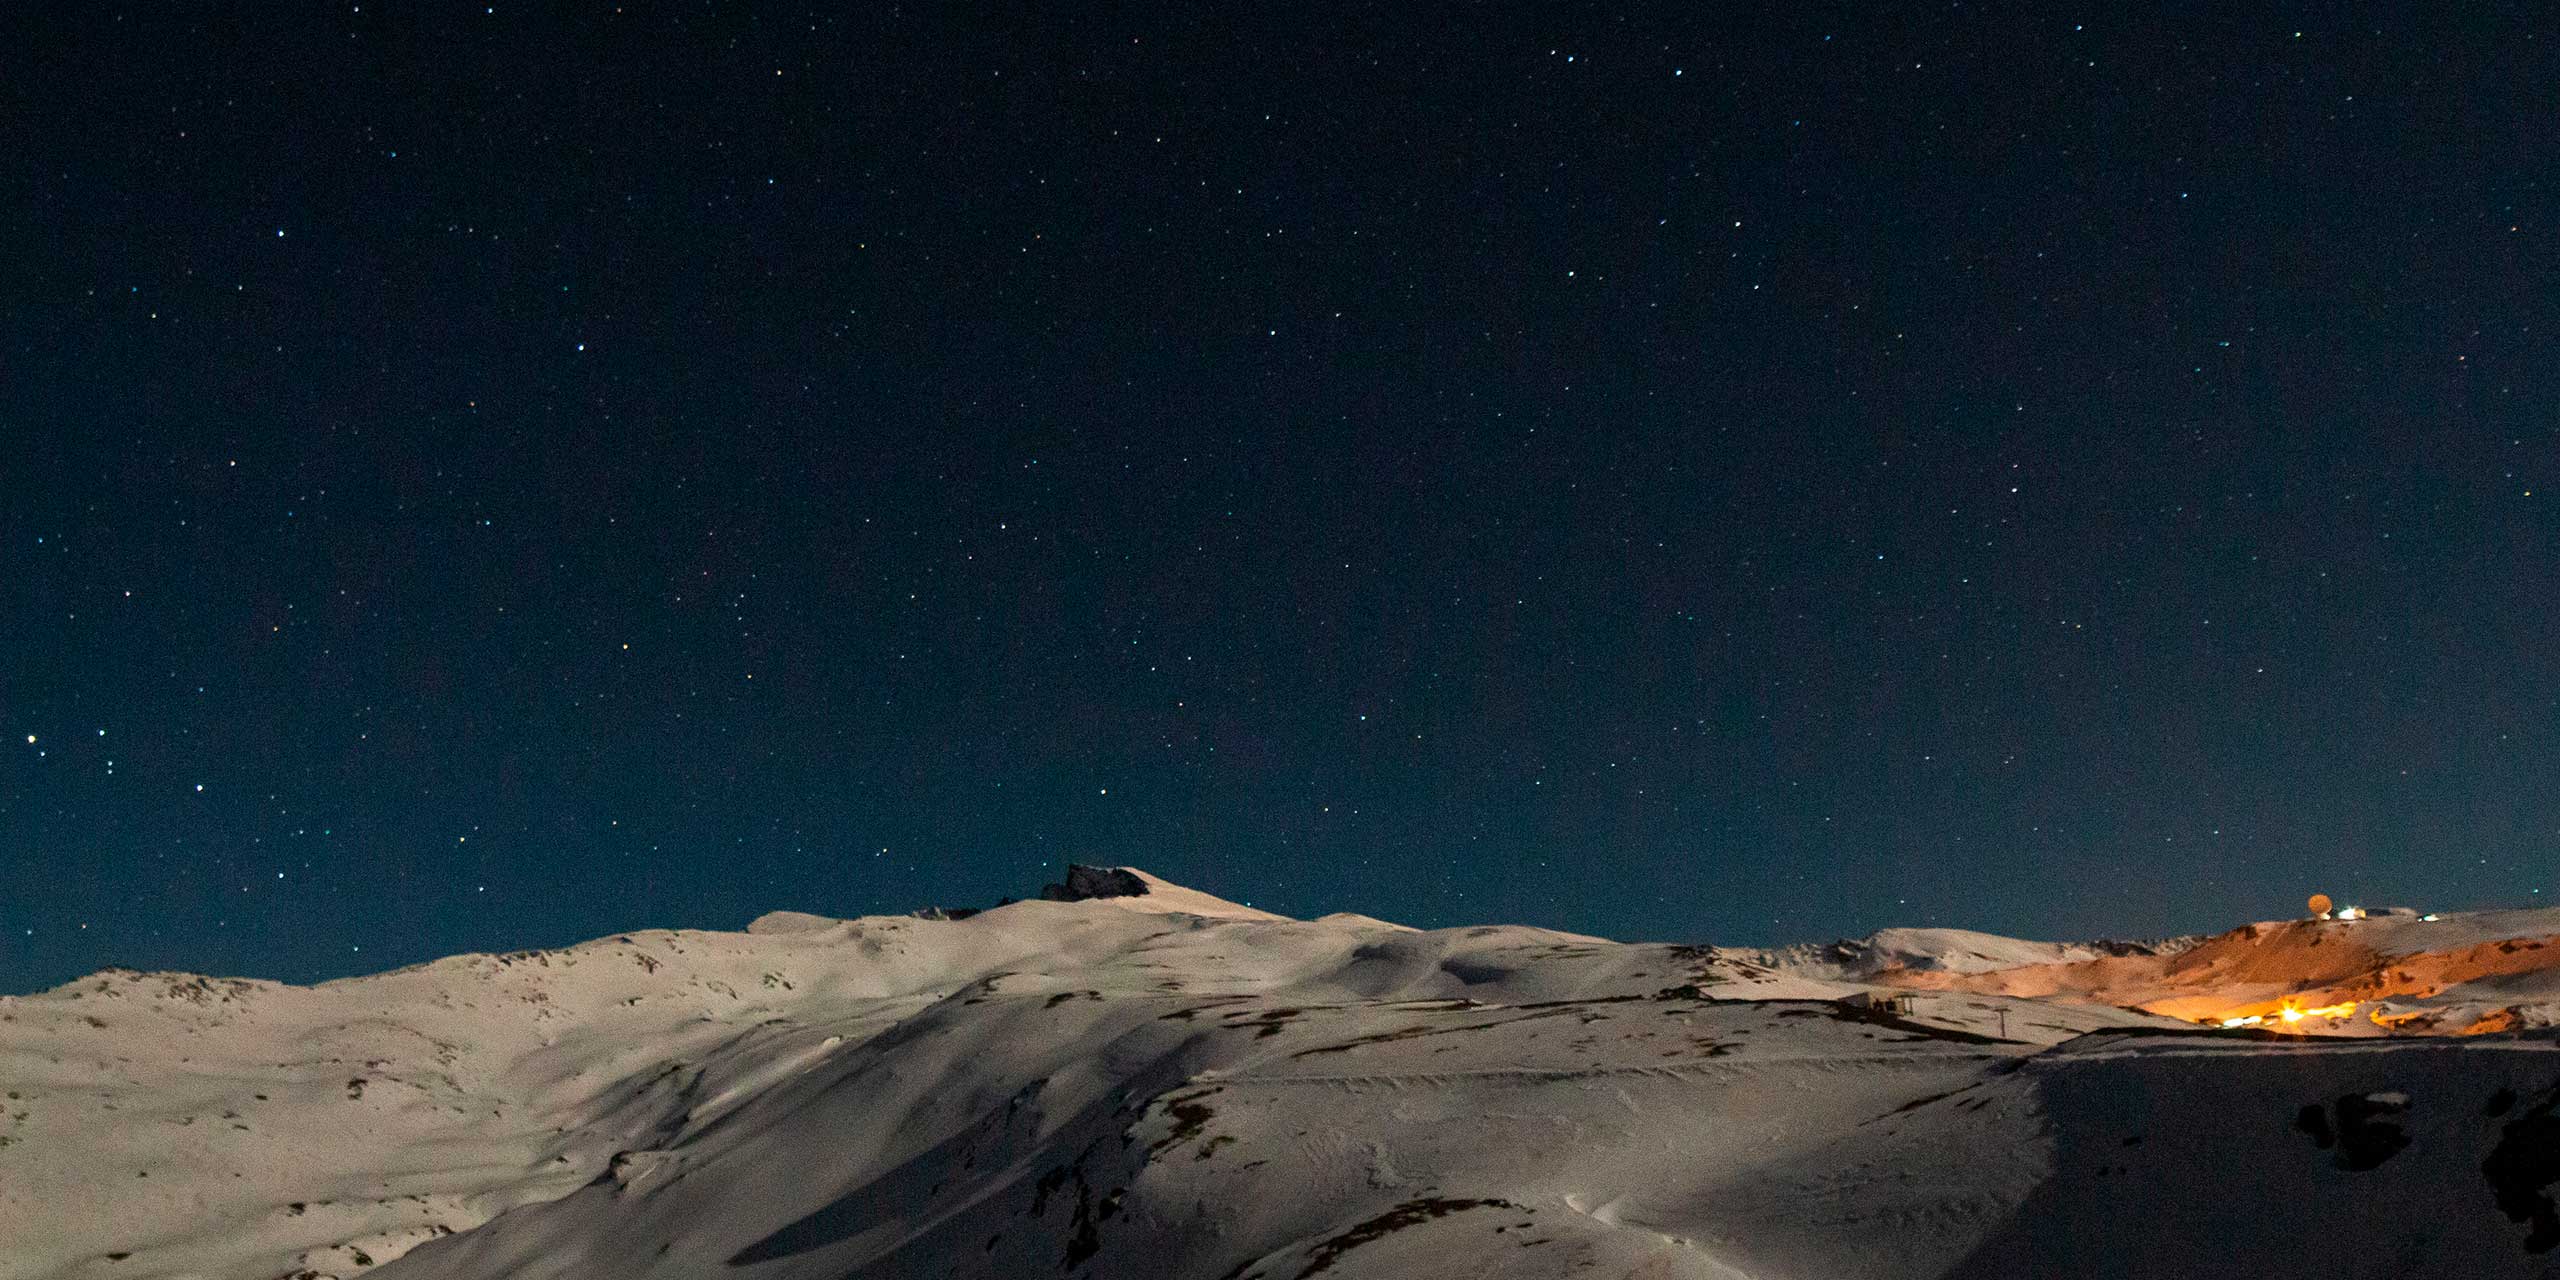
<point x="2465" y="973"/>
<point x="1889" y="952"/>
<point x="1140" y="1080"/>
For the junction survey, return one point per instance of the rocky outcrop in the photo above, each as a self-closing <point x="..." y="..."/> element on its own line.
<point x="1085" y="883"/>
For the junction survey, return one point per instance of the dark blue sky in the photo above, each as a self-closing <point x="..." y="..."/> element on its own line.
<point x="477" y="480"/>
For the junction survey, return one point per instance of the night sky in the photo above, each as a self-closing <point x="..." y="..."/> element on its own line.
<point x="485" y="479"/>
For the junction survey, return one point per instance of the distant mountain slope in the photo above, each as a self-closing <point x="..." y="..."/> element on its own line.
<point x="1943" y="951"/>
<point x="2463" y="973"/>
<point x="1114" y="1086"/>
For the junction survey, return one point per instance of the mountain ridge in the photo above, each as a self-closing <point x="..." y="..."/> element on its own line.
<point x="1108" y="1086"/>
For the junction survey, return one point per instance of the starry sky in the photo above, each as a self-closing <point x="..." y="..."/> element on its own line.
<point x="479" y="478"/>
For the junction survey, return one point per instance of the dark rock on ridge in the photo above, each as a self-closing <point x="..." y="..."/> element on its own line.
<point x="1084" y="883"/>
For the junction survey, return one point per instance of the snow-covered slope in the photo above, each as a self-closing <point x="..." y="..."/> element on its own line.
<point x="1890" y="951"/>
<point x="2465" y="972"/>
<point x="1131" y="889"/>
<point x="1107" y="1088"/>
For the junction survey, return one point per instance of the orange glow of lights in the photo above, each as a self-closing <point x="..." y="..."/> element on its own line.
<point x="2291" y="1014"/>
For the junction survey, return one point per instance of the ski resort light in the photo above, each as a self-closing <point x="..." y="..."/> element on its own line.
<point x="2290" y="1014"/>
<point x="2294" y="1014"/>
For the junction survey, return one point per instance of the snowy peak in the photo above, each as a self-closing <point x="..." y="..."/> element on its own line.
<point x="1131" y="889"/>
